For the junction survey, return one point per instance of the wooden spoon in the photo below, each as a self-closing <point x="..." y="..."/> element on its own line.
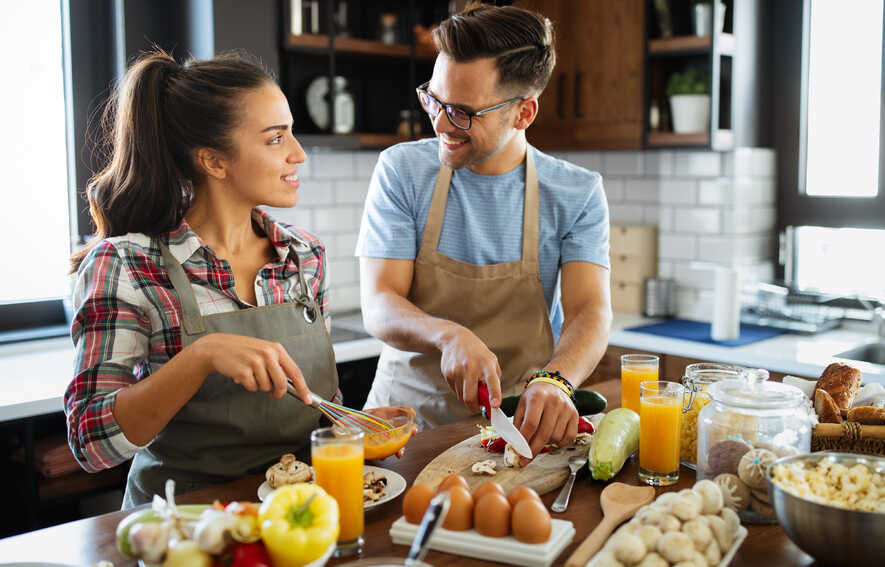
<point x="619" y="502"/>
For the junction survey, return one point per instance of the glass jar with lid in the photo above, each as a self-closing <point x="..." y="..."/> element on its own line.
<point x="748" y="425"/>
<point x="697" y="379"/>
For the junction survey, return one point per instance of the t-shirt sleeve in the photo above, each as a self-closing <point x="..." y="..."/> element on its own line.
<point x="588" y="238"/>
<point x="388" y="225"/>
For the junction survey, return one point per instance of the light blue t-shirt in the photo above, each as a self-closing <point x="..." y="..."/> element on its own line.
<point x="483" y="218"/>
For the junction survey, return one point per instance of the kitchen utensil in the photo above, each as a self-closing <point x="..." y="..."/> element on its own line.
<point x="343" y="416"/>
<point x="619" y="502"/>
<point x="574" y="464"/>
<point x="503" y="425"/>
<point x="833" y="536"/>
<point x="545" y="473"/>
<point x="433" y="517"/>
<point x="659" y="294"/>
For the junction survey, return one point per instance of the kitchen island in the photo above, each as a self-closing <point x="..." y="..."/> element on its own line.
<point x="88" y="541"/>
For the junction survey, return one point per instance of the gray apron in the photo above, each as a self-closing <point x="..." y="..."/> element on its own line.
<point x="226" y="432"/>
<point x="503" y="304"/>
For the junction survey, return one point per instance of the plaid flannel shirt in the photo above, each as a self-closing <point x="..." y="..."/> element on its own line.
<point x="127" y="321"/>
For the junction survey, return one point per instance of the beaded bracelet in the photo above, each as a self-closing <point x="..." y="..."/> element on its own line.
<point x="554" y="378"/>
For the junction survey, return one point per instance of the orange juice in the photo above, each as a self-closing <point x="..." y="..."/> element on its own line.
<point x="631" y="376"/>
<point x="660" y="424"/>
<point x="339" y="470"/>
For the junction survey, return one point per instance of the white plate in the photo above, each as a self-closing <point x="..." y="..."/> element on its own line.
<point x="396" y="484"/>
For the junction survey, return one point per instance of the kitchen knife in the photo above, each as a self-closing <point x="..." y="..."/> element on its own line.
<point x="503" y="426"/>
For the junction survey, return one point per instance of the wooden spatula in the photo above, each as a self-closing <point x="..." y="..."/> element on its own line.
<point x="619" y="502"/>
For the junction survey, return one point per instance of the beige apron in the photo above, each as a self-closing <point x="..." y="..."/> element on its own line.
<point x="226" y="432"/>
<point x="503" y="304"/>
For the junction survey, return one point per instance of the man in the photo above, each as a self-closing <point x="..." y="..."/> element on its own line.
<point x="476" y="249"/>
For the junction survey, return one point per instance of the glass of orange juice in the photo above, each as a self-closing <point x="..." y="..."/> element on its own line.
<point x="661" y="405"/>
<point x="636" y="368"/>
<point x="337" y="458"/>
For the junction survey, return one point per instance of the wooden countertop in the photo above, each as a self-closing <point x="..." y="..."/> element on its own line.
<point x="87" y="541"/>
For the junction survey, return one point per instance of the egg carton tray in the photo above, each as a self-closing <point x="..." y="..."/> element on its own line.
<point x="502" y="549"/>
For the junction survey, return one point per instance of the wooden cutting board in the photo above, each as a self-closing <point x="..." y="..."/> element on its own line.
<point x="546" y="472"/>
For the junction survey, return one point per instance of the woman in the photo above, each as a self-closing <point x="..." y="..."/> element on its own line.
<point x="193" y="307"/>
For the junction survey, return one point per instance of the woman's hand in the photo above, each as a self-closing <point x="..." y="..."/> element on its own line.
<point x="254" y="364"/>
<point x="389" y="412"/>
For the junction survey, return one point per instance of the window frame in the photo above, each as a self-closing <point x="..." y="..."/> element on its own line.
<point x="799" y="209"/>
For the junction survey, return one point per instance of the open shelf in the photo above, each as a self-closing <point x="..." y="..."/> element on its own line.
<point x="355" y="141"/>
<point x="359" y="46"/>
<point x="660" y="139"/>
<point x="690" y="44"/>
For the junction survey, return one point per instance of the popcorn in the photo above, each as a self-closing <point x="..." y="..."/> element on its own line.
<point x="826" y="482"/>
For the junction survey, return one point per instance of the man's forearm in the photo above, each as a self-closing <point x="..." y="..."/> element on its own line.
<point x="582" y="343"/>
<point x="399" y="323"/>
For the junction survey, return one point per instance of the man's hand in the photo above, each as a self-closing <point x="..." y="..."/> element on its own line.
<point x="466" y="361"/>
<point x="546" y="415"/>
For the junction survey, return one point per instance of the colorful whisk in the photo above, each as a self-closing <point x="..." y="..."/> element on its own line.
<point x="346" y="417"/>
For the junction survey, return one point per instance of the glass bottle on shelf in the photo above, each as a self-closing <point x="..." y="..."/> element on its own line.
<point x="345" y="109"/>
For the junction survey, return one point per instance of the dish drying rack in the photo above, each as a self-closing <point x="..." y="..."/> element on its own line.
<point x="773" y="306"/>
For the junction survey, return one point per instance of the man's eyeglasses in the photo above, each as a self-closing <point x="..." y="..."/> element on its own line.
<point x="459" y="117"/>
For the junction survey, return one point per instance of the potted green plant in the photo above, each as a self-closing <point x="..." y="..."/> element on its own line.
<point x="689" y="94"/>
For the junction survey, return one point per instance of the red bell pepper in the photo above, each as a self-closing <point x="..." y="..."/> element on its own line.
<point x="584" y="425"/>
<point x="496" y="446"/>
<point x="245" y="555"/>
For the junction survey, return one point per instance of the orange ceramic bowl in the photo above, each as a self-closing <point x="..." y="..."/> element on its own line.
<point x="384" y="444"/>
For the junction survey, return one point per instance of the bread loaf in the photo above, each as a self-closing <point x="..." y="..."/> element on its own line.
<point x="868" y="415"/>
<point x="825" y="408"/>
<point x="841" y="382"/>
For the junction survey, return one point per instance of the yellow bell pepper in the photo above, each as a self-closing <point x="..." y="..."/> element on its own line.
<point x="298" y="524"/>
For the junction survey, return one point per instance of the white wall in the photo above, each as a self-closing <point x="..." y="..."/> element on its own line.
<point x="708" y="206"/>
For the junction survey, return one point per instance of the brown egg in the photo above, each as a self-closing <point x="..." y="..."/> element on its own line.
<point x="416" y="501"/>
<point x="453" y="480"/>
<point x="460" y="516"/>
<point x="531" y="521"/>
<point x="491" y="515"/>
<point x="486" y="487"/>
<point x="521" y="493"/>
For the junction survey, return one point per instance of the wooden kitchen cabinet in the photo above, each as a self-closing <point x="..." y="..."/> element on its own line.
<point x="594" y="97"/>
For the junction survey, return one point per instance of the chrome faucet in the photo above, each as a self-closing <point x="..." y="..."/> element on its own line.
<point x="877" y="313"/>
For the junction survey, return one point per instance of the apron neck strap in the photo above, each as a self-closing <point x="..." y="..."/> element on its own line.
<point x="433" y="225"/>
<point x="191" y="320"/>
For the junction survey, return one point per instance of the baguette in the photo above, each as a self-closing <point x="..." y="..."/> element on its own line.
<point x="868" y="415"/>
<point x="841" y="382"/>
<point x="825" y="408"/>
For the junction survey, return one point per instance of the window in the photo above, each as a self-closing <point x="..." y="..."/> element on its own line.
<point x="36" y="228"/>
<point x="843" y="100"/>
<point x="838" y="261"/>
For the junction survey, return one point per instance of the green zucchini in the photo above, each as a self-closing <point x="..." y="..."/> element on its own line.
<point x="616" y="439"/>
<point x="587" y="402"/>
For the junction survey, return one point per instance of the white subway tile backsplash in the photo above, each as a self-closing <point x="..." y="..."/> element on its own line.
<point x="304" y="168"/>
<point x="365" y="163"/>
<point x="345" y="244"/>
<point x="689" y="276"/>
<point x="333" y="165"/>
<point x="762" y="162"/>
<point x="315" y="193"/>
<point x="642" y="190"/>
<point x="689" y="219"/>
<point x="697" y="164"/>
<point x="344" y="297"/>
<point x="626" y="213"/>
<point x="734" y="249"/>
<point x="301" y="217"/>
<point x="351" y="191"/>
<point x="677" y="247"/>
<point x="658" y="163"/>
<point x="587" y="160"/>
<point x="614" y="189"/>
<point x="622" y="163"/>
<point x="665" y="219"/>
<point x="336" y="219"/>
<point x="754" y="190"/>
<point x="651" y="214"/>
<point x="665" y="268"/>
<point x="749" y="220"/>
<point x="758" y="162"/>
<point x="715" y="191"/>
<point x="343" y="271"/>
<point x="678" y="191"/>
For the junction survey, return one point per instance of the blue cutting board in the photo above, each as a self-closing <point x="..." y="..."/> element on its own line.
<point x="701" y="332"/>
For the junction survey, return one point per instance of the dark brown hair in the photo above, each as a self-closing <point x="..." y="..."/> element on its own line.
<point x="521" y="42"/>
<point x="160" y="113"/>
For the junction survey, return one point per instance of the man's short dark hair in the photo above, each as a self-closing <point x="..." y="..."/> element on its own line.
<point x="521" y="41"/>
